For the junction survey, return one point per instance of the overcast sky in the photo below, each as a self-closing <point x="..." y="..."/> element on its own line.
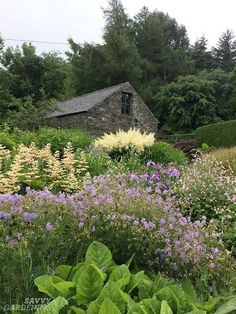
<point x="56" y="20"/>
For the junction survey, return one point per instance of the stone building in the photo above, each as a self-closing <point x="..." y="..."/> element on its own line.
<point x="105" y="111"/>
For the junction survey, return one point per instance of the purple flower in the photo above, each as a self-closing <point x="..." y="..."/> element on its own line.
<point x="29" y="216"/>
<point x="168" y="251"/>
<point x="183" y="221"/>
<point x="150" y="163"/>
<point x="134" y="177"/>
<point x="174" y="173"/>
<point x="149" y="225"/>
<point x="49" y="226"/>
<point x="19" y="235"/>
<point x="12" y="242"/>
<point x="214" y="250"/>
<point x="212" y="266"/>
<point x="162" y="221"/>
<point x="187" y="236"/>
<point x="4" y="215"/>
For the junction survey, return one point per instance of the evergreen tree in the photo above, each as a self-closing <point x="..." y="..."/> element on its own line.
<point x="123" y="62"/>
<point x="225" y="51"/>
<point x="203" y="58"/>
<point x="163" y="43"/>
<point x="232" y="100"/>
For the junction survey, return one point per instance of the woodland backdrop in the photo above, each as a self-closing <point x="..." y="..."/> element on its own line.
<point x="185" y="85"/>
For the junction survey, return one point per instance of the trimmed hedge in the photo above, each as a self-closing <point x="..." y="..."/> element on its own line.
<point x="221" y="134"/>
<point x="162" y="152"/>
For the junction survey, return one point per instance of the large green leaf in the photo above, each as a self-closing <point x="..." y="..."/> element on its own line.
<point x="152" y="306"/>
<point x="89" y="285"/>
<point x="165" y="308"/>
<point x="227" y="307"/>
<point x="146" y="288"/>
<point x="161" y="282"/>
<point x="53" y="307"/>
<point x="76" y="310"/>
<point x="210" y="305"/>
<point x="120" y="275"/>
<point x="135" y="280"/>
<point x="45" y="284"/>
<point x="176" y="298"/>
<point x="65" y="271"/>
<point x="189" y="289"/>
<point x="99" y="254"/>
<point x="93" y="307"/>
<point x="136" y="308"/>
<point x="112" y="292"/>
<point x="108" y="307"/>
<point x="197" y="312"/>
<point x="66" y="288"/>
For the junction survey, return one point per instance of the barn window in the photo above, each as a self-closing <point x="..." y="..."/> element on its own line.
<point x="126" y="103"/>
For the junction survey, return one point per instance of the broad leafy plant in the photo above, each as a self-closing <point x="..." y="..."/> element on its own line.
<point x="99" y="286"/>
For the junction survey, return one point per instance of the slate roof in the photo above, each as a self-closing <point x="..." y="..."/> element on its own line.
<point x="84" y="102"/>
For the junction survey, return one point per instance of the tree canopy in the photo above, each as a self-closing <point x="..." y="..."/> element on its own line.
<point x="184" y="85"/>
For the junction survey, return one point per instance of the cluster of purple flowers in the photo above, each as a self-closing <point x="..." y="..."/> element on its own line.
<point x="142" y="201"/>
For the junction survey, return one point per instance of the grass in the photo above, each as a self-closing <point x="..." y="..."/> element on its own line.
<point x="227" y="156"/>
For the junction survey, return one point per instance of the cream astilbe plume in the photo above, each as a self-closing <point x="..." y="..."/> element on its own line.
<point x="82" y="165"/>
<point x="69" y="181"/>
<point x="14" y="174"/>
<point x="121" y="140"/>
<point x="4" y="154"/>
<point x="30" y="156"/>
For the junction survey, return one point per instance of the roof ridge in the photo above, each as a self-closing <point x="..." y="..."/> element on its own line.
<point x="98" y="90"/>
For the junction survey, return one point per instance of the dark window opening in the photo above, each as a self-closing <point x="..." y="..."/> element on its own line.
<point x="126" y="103"/>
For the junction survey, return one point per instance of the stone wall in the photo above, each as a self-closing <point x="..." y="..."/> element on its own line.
<point x="107" y="117"/>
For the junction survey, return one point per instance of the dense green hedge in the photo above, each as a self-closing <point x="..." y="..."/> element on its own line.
<point x="222" y="134"/>
<point x="58" y="138"/>
<point x="161" y="152"/>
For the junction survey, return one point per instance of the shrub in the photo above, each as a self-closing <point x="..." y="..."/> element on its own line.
<point x="57" y="138"/>
<point x="161" y="152"/>
<point x="99" y="285"/>
<point x="122" y="142"/>
<point x="222" y="134"/>
<point x="6" y="141"/>
<point x="187" y="146"/>
<point x="131" y="213"/>
<point x="207" y="188"/>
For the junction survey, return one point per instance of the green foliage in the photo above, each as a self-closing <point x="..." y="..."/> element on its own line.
<point x="206" y="188"/>
<point x="225" y="51"/>
<point x="29" y="115"/>
<point x="161" y="152"/>
<point x="162" y="43"/>
<point x="100" y="286"/>
<point x="7" y="141"/>
<point x="54" y="306"/>
<point x="222" y="134"/>
<point x="58" y="138"/>
<point x="222" y="90"/>
<point x="203" y="58"/>
<point x="187" y="103"/>
<point x="205" y="148"/>
<point x="232" y="99"/>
